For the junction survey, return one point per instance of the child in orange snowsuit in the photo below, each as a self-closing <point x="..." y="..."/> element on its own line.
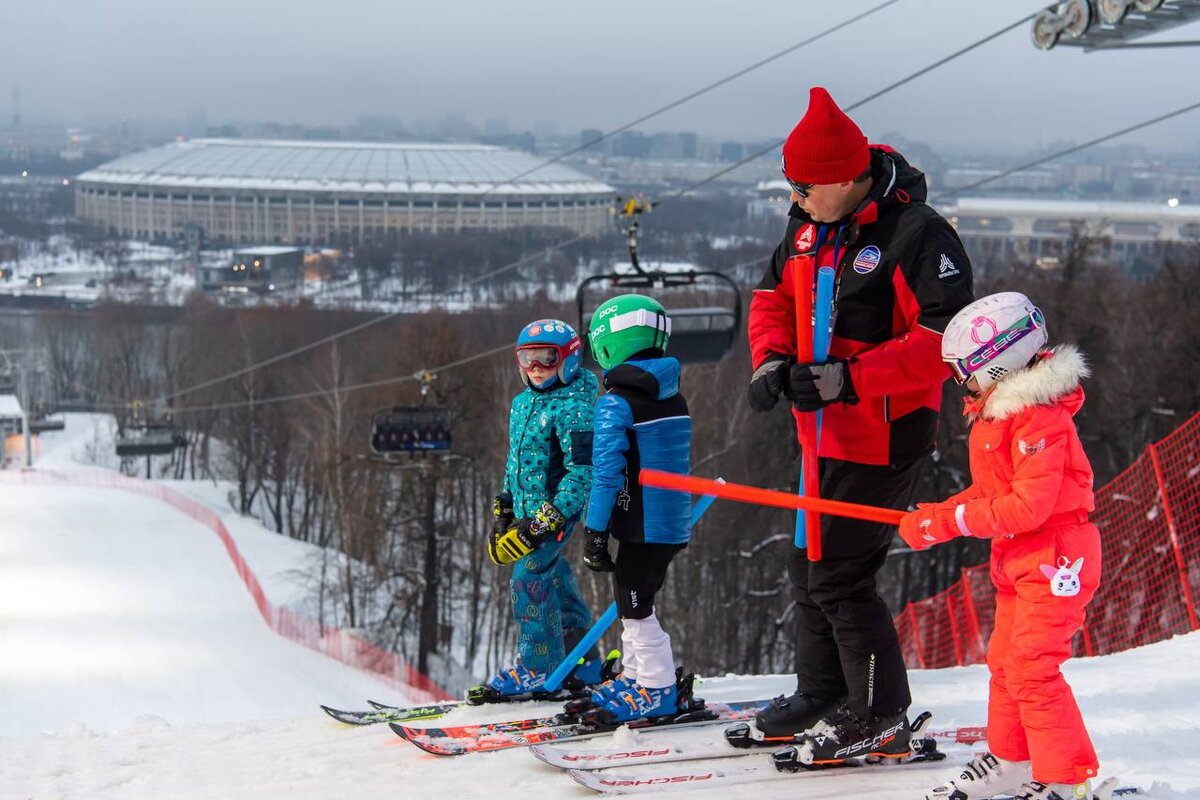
<point x="1030" y="494"/>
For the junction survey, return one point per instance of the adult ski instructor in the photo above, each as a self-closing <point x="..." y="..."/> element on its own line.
<point x="901" y="274"/>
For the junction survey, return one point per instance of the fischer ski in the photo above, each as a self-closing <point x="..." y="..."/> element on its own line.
<point x="692" y="746"/>
<point x="382" y="713"/>
<point x="735" y="771"/>
<point x="521" y="733"/>
<point x="1108" y="789"/>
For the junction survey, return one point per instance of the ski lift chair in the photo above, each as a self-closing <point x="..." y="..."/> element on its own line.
<point x="410" y="429"/>
<point x="42" y="423"/>
<point x="702" y="334"/>
<point x="698" y="335"/>
<point x="159" y="439"/>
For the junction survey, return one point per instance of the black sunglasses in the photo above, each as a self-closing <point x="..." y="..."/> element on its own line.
<point x="799" y="188"/>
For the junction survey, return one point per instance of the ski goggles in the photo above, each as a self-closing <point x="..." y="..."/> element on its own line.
<point x="801" y="189"/>
<point x="964" y="368"/>
<point x="540" y="355"/>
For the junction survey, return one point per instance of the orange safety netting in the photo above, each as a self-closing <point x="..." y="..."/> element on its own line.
<point x="1149" y="522"/>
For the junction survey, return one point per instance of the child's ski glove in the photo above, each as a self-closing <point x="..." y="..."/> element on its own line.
<point x="930" y="524"/>
<point x="527" y="534"/>
<point x="502" y="520"/>
<point x="595" y="551"/>
<point x="502" y="514"/>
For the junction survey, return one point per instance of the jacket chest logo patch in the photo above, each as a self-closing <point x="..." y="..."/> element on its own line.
<point x="867" y="260"/>
<point x="805" y="238"/>
<point x="1064" y="581"/>
<point x="1031" y="449"/>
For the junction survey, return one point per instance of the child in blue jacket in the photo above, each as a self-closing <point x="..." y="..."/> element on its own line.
<point x="641" y="421"/>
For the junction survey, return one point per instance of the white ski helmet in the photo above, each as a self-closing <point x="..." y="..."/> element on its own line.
<point x="992" y="337"/>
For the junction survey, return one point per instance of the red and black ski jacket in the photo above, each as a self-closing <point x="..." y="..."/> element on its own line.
<point x="902" y="274"/>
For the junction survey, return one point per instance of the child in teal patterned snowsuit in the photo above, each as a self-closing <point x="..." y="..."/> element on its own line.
<point x="548" y="478"/>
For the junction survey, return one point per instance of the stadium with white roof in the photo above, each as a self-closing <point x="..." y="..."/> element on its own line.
<point x="313" y="193"/>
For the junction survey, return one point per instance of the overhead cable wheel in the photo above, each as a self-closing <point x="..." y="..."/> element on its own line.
<point x="1113" y="11"/>
<point x="1079" y="17"/>
<point x="1047" y="28"/>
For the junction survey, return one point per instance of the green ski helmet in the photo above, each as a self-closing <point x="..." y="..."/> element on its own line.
<point x="626" y="325"/>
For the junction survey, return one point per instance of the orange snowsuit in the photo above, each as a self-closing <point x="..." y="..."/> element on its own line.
<point x="1031" y="493"/>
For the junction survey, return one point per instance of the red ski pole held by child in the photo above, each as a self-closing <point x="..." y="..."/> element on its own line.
<point x="767" y="497"/>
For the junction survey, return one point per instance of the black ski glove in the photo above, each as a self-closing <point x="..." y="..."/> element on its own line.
<point x="502" y="513"/>
<point x="502" y="520"/>
<point x="814" y="386"/>
<point x="595" y="551"/>
<point x="768" y="382"/>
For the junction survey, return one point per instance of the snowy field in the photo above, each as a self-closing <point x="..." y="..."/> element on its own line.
<point x="133" y="664"/>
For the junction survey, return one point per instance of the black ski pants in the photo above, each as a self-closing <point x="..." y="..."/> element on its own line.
<point x="846" y="643"/>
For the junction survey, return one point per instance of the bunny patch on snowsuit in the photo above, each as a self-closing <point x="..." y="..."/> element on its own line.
<point x="550" y="458"/>
<point x="1031" y="493"/>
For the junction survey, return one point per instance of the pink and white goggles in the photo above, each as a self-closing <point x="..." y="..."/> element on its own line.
<point x="963" y="368"/>
<point x="545" y="356"/>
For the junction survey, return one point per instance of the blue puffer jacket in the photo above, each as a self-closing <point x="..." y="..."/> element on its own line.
<point x="550" y="447"/>
<point x="642" y="421"/>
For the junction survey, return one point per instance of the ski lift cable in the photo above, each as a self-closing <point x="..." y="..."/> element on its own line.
<point x="1074" y="149"/>
<point x="874" y="96"/>
<point x="418" y="376"/>
<point x="647" y="116"/>
<point x="553" y="248"/>
<point x="776" y="145"/>
<point x="705" y="89"/>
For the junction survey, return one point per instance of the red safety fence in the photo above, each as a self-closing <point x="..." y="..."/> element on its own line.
<point x="333" y="642"/>
<point x="1149" y="521"/>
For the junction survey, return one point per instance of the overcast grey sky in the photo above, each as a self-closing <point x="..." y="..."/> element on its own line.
<point x="583" y="64"/>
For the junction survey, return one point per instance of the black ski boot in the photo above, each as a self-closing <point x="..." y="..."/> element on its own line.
<point x="844" y="738"/>
<point x="781" y="721"/>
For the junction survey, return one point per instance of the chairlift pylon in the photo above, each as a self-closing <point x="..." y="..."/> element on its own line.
<point x="412" y="429"/>
<point x="698" y="334"/>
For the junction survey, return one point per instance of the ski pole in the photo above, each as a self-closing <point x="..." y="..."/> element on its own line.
<point x="822" y="314"/>
<point x="609" y="616"/>
<point x="767" y="497"/>
<point x="802" y="277"/>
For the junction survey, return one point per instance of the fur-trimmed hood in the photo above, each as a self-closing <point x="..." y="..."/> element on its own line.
<point x="1055" y="378"/>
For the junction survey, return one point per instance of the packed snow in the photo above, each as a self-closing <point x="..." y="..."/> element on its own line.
<point x="133" y="664"/>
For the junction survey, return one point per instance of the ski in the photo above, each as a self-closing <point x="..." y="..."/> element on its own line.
<point x="1108" y="789"/>
<point x="742" y="769"/>
<point x="698" y="745"/>
<point x="382" y="713"/>
<point x="522" y="733"/>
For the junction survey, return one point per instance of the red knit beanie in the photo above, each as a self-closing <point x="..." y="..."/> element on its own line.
<point x="825" y="146"/>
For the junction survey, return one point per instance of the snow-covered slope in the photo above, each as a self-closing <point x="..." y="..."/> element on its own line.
<point x="133" y="664"/>
<point x="114" y="606"/>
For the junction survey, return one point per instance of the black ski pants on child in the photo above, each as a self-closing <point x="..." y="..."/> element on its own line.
<point x="846" y="642"/>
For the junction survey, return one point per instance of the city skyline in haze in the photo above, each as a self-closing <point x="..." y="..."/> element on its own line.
<point x="550" y="67"/>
